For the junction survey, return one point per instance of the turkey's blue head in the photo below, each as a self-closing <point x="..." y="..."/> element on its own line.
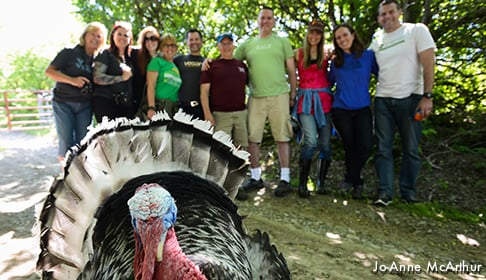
<point x="153" y="212"/>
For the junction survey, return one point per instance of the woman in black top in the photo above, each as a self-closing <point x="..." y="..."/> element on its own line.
<point x="147" y="46"/>
<point x="112" y="96"/>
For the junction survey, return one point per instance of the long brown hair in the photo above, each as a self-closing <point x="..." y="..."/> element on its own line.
<point x="113" y="47"/>
<point x="144" y="55"/>
<point x="320" y="46"/>
<point x="357" y="48"/>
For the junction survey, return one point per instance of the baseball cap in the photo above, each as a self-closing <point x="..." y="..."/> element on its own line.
<point x="316" y="24"/>
<point x="224" y="35"/>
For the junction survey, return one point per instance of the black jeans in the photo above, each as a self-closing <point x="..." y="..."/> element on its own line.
<point x="355" y="127"/>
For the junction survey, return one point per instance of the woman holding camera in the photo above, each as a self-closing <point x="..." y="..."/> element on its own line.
<point x="72" y="71"/>
<point x="112" y="95"/>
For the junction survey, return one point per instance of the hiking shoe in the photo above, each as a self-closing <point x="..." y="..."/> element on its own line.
<point x="410" y="200"/>
<point x="283" y="188"/>
<point x="252" y="184"/>
<point x="241" y="195"/>
<point x="383" y="201"/>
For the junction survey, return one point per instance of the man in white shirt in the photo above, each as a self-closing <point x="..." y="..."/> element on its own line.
<point x="405" y="54"/>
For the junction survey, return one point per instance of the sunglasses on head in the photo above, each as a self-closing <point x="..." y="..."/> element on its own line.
<point x="151" y="38"/>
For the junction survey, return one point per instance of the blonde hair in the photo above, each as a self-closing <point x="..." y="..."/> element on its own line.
<point x="94" y="26"/>
<point x="167" y="37"/>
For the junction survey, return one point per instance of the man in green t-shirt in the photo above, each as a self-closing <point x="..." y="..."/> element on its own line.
<point x="269" y="58"/>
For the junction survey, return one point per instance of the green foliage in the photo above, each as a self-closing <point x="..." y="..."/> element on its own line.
<point x="27" y="73"/>
<point x="443" y="212"/>
<point x="457" y="26"/>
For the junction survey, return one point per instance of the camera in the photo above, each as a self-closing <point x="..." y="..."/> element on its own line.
<point x="121" y="98"/>
<point x="87" y="89"/>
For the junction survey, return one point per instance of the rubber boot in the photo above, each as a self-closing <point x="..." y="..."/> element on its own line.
<point x="303" y="177"/>
<point x="323" y="167"/>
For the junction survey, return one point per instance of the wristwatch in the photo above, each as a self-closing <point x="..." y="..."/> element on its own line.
<point x="428" y="95"/>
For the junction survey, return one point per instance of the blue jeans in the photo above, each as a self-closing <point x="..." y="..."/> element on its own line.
<point x="355" y="127"/>
<point x="72" y="121"/>
<point x="315" y="138"/>
<point x="393" y="113"/>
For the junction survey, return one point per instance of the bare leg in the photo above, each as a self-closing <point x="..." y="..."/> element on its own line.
<point x="284" y="154"/>
<point x="254" y="149"/>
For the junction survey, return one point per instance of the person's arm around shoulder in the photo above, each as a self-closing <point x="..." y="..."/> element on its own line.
<point x="427" y="59"/>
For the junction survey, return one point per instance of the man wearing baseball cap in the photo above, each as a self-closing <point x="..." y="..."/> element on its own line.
<point x="223" y="94"/>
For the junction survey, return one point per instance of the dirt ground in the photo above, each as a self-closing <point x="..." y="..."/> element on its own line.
<point x="322" y="237"/>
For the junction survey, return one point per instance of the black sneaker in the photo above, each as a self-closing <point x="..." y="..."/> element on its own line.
<point x="252" y="184"/>
<point x="283" y="188"/>
<point x="241" y="195"/>
<point x="383" y="201"/>
<point x="410" y="200"/>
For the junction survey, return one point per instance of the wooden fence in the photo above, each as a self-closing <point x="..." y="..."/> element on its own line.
<point x="27" y="110"/>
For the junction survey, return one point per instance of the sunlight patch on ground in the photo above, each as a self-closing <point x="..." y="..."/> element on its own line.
<point x="18" y="255"/>
<point x="467" y="241"/>
<point x="367" y="260"/>
<point x="16" y="203"/>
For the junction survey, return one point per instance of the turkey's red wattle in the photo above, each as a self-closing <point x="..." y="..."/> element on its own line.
<point x="174" y="265"/>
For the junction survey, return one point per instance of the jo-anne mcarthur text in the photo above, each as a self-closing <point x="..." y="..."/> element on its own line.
<point x="461" y="267"/>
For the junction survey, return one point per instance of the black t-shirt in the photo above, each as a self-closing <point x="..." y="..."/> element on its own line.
<point x="73" y="62"/>
<point x="190" y="70"/>
<point x="114" y="69"/>
<point x="138" y="79"/>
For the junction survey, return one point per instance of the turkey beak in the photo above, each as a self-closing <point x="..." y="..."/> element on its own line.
<point x="160" y="247"/>
<point x="160" y="251"/>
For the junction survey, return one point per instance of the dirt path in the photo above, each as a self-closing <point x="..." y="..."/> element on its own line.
<point x="323" y="237"/>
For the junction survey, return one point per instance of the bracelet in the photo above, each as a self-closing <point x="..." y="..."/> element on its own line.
<point x="151" y="108"/>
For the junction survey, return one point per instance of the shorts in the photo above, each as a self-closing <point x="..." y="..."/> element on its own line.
<point x="234" y="124"/>
<point x="276" y="109"/>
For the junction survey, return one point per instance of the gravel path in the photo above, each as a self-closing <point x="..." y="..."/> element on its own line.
<point x="323" y="237"/>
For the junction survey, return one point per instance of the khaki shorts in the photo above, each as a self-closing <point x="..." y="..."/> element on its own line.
<point x="276" y="109"/>
<point x="234" y="124"/>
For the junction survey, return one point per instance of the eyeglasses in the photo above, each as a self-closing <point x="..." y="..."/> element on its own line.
<point x="170" y="45"/>
<point x="151" y="38"/>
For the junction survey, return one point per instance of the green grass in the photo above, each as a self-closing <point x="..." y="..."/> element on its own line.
<point x="443" y="212"/>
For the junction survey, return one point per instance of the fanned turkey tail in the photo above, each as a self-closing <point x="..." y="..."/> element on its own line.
<point x="85" y="226"/>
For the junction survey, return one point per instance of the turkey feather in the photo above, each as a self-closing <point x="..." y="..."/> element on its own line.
<point x="86" y="231"/>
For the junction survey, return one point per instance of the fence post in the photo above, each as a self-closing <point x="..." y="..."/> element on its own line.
<point x="7" y="111"/>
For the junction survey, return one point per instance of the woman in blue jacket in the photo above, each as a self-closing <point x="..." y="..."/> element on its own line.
<point x="351" y="71"/>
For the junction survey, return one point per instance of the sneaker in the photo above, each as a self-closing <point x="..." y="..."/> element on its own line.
<point x="410" y="200"/>
<point x="241" y="195"/>
<point x="383" y="201"/>
<point x="283" y="188"/>
<point x="252" y="184"/>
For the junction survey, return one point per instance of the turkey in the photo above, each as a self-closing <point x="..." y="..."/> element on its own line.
<point x="152" y="200"/>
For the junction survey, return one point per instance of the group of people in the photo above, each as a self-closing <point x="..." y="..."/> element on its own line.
<point x="122" y="80"/>
<point x="321" y="89"/>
